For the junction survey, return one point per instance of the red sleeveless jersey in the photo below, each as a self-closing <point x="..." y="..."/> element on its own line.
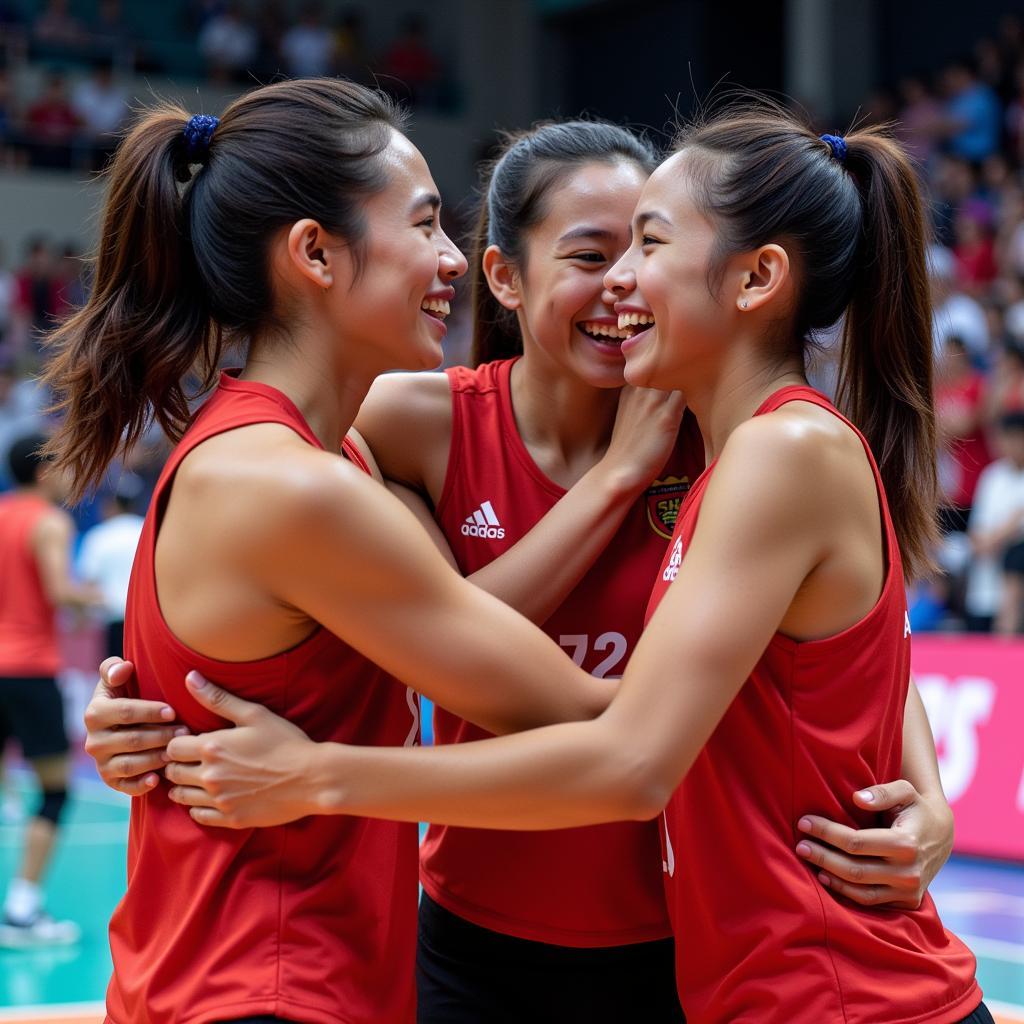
<point x="583" y="887"/>
<point x="28" y="632"/>
<point x="758" y="939"/>
<point x="312" y="921"/>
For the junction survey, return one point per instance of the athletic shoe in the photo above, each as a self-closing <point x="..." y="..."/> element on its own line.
<point x="42" y="930"/>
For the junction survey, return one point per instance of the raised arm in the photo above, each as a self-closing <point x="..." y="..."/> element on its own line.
<point x="407" y="421"/>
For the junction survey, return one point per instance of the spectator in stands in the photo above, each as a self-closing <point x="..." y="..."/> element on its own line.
<point x="71" y="287"/>
<point x="352" y="56"/>
<point x="229" y="44"/>
<point x="112" y="37"/>
<point x="101" y="106"/>
<point x="919" y="119"/>
<point x="1015" y="116"/>
<point x="973" y="118"/>
<point x="107" y="552"/>
<point x="37" y="301"/>
<point x="411" y="62"/>
<point x="19" y="414"/>
<point x="960" y="418"/>
<point x="996" y="531"/>
<point x="974" y="249"/>
<point x="51" y="125"/>
<point x="1006" y="384"/>
<point x="271" y="25"/>
<point x="955" y="314"/>
<point x="56" y="27"/>
<point x="8" y="295"/>
<point x="308" y="47"/>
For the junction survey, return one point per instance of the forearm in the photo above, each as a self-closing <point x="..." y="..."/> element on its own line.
<point x="920" y="763"/>
<point x="555" y="777"/>
<point x="538" y="573"/>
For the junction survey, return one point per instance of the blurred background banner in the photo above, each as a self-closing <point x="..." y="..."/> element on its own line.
<point x="973" y="689"/>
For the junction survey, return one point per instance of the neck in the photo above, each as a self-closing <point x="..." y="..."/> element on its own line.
<point x="732" y="392"/>
<point x="325" y="387"/>
<point x="560" y="415"/>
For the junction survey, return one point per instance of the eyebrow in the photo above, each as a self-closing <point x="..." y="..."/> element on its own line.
<point x="431" y="199"/>
<point x="643" y="218"/>
<point x="587" y="231"/>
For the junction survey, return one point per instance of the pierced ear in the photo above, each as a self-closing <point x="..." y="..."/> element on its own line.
<point x="309" y="254"/>
<point x="763" y="274"/>
<point x="502" y="278"/>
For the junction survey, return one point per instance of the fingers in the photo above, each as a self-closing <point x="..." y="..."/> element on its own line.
<point x="888" y="796"/>
<point x="202" y="807"/>
<point x="135" y="787"/>
<point x="108" y="742"/>
<point x="861" y="871"/>
<point x="867" y="842"/>
<point x="218" y="700"/>
<point x="871" y="895"/>
<point x="191" y="796"/>
<point x="109" y="712"/>
<point x="187" y="775"/>
<point x="115" y="672"/>
<point x="189" y="749"/>
<point x="128" y="767"/>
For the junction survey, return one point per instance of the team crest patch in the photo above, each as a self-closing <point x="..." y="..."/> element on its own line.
<point x="663" y="500"/>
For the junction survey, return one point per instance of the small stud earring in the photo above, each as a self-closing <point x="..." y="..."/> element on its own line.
<point x="744" y="304"/>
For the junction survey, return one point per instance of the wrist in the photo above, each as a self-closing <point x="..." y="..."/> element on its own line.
<point x="325" y="777"/>
<point x="620" y="482"/>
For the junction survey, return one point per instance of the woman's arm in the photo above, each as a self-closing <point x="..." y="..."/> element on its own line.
<point x="745" y="563"/>
<point x="407" y="421"/>
<point x="892" y="865"/>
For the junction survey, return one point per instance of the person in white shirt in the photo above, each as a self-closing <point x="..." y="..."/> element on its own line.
<point x="996" y="529"/>
<point x="107" y="552"/>
<point x="955" y="314"/>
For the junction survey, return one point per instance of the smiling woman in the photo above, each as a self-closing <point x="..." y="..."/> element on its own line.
<point x="281" y="565"/>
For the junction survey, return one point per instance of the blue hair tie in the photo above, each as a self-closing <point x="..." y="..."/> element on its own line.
<point x="198" y="132"/>
<point x="837" y="144"/>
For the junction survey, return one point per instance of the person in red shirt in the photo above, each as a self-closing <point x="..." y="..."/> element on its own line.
<point x="281" y="566"/>
<point x="773" y="669"/>
<point x="51" y="125"/>
<point x="35" y="580"/>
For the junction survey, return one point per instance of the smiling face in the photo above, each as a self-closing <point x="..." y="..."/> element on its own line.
<point x="661" y="284"/>
<point x="565" y="314"/>
<point x="396" y="305"/>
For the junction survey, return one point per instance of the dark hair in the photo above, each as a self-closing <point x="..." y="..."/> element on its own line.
<point x="25" y="457"/>
<point x="856" y="237"/>
<point x="182" y="263"/>
<point x="515" y="185"/>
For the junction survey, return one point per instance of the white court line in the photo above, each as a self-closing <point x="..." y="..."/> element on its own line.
<point x="87" y="1011"/>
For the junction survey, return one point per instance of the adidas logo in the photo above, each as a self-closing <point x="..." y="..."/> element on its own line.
<point x="483" y="523"/>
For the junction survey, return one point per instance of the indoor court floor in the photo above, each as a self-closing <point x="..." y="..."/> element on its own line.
<point x="981" y="901"/>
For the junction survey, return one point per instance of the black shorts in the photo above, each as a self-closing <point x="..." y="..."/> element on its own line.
<point x="32" y="711"/>
<point x="980" y="1016"/>
<point x="466" y="974"/>
<point x="1013" y="560"/>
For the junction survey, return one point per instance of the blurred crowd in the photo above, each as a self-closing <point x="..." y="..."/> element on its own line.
<point x="66" y="79"/>
<point x="964" y="125"/>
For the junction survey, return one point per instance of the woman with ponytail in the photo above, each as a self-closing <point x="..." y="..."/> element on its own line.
<point x="304" y="226"/>
<point x="624" y="766"/>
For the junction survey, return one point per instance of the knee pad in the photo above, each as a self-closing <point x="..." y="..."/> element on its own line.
<point x="53" y="804"/>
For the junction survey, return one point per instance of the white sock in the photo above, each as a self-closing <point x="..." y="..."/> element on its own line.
<point x="24" y="900"/>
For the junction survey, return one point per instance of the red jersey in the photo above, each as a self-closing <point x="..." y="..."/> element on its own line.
<point x="758" y="939"/>
<point x="312" y="921"/>
<point x="965" y="457"/>
<point x="583" y="887"/>
<point x="28" y="631"/>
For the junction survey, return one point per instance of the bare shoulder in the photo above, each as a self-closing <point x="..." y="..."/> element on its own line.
<point x="406" y="419"/>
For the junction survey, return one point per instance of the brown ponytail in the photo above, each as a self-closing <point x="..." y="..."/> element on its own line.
<point x="182" y="262"/>
<point x="147" y="323"/>
<point x="515" y="190"/>
<point x="885" y="382"/>
<point x="852" y="218"/>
